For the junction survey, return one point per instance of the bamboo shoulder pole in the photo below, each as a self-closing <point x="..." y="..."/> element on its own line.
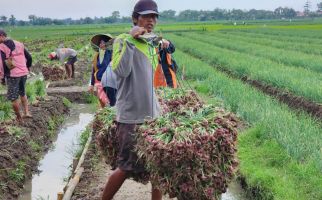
<point x="72" y="184"/>
<point x="70" y="187"/>
<point x="82" y="158"/>
<point x="60" y="196"/>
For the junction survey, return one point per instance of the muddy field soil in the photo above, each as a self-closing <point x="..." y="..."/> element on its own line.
<point x="22" y="145"/>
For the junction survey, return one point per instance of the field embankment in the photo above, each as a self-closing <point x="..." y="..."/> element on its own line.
<point x="23" y="144"/>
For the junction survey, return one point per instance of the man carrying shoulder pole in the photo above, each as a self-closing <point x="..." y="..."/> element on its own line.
<point x="132" y="62"/>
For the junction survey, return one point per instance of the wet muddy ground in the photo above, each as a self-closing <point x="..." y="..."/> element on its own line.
<point x="22" y="144"/>
<point x="19" y="156"/>
<point x="55" y="165"/>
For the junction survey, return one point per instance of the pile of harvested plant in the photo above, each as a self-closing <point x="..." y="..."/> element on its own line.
<point x="53" y="73"/>
<point x="189" y="152"/>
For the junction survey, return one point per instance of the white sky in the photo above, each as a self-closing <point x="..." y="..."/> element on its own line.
<point x="61" y="9"/>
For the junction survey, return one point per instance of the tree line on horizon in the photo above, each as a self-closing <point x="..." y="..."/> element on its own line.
<point x="171" y="15"/>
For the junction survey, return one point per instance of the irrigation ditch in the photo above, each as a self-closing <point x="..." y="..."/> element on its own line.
<point x="54" y="166"/>
<point x="23" y="145"/>
<point x="33" y="155"/>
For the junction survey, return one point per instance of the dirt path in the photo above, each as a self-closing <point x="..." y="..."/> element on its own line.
<point x="94" y="178"/>
<point x="73" y="93"/>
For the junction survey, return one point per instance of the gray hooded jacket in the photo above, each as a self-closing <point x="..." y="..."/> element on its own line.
<point x="133" y="62"/>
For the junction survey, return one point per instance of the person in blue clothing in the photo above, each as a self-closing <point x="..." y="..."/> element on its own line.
<point x="100" y="62"/>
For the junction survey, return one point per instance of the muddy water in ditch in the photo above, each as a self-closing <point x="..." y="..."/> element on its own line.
<point x="54" y="167"/>
<point x="234" y="192"/>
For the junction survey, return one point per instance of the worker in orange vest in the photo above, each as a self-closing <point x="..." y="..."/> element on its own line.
<point x="165" y="73"/>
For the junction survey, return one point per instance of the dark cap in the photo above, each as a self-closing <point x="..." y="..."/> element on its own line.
<point x="2" y="32"/>
<point x="144" y="7"/>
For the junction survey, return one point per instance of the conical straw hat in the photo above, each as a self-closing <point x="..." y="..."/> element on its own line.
<point x="95" y="41"/>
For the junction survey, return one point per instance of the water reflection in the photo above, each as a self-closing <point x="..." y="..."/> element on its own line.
<point x="54" y="167"/>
